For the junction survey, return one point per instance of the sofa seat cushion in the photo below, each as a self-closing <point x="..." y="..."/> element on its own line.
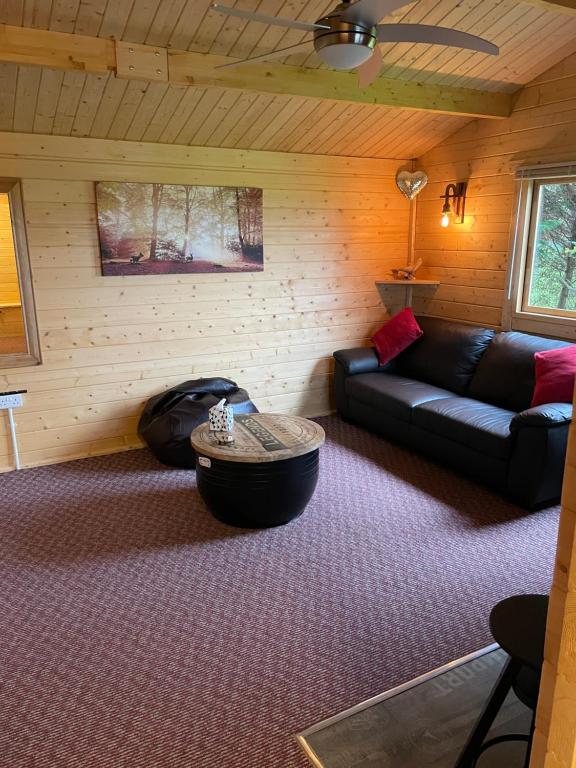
<point x="482" y="427"/>
<point x="393" y="394"/>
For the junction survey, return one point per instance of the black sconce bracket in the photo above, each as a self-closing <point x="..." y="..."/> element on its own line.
<point x="457" y="194"/>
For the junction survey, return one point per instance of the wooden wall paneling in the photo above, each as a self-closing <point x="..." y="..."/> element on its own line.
<point x="332" y="227"/>
<point x="193" y="160"/>
<point x="541" y="129"/>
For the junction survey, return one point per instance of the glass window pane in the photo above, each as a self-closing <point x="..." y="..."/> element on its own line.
<point x="553" y="278"/>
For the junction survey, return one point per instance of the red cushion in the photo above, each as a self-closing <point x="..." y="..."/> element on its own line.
<point x="555" y="372"/>
<point x="396" y="335"/>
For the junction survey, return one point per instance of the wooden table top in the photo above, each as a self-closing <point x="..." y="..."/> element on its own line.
<point x="261" y="437"/>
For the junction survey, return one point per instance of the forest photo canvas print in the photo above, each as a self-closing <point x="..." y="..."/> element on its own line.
<point x="151" y="229"/>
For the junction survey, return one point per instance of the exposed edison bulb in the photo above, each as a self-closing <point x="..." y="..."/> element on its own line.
<point x="445" y="220"/>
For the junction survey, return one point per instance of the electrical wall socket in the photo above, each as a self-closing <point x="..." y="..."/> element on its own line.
<point x="11" y="401"/>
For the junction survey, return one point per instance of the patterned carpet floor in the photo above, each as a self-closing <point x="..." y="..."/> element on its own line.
<point x="138" y="632"/>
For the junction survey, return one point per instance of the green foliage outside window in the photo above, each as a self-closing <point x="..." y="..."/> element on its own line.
<point x="553" y="278"/>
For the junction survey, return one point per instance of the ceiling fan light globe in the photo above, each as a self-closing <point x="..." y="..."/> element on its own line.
<point x="345" y="55"/>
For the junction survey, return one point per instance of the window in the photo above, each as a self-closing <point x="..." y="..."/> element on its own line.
<point x="18" y="332"/>
<point x="542" y="293"/>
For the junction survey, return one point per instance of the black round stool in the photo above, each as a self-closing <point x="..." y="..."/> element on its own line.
<point x="518" y="625"/>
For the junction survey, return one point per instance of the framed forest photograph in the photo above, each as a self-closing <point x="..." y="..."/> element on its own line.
<point x="152" y="229"/>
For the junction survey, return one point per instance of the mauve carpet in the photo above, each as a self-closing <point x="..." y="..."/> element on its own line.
<point x="138" y="632"/>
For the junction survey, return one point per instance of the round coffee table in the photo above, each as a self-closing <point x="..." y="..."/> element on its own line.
<point x="266" y="477"/>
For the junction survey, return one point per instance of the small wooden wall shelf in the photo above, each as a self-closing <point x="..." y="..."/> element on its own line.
<point x="393" y="303"/>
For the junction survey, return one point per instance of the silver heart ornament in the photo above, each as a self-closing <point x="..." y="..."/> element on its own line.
<point x="410" y="184"/>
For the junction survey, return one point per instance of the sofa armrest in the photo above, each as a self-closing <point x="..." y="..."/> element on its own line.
<point x="350" y="362"/>
<point x="548" y="415"/>
<point x="358" y="360"/>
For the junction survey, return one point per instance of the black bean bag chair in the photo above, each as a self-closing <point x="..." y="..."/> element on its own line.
<point x="168" y="419"/>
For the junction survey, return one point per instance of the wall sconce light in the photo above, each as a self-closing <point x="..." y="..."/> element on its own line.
<point x="454" y="203"/>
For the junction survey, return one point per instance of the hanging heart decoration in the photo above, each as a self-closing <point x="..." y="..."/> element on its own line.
<point x="410" y="184"/>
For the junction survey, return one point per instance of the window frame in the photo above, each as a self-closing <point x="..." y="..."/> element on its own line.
<point x="13" y="188"/>
<point x="518" y="313"/>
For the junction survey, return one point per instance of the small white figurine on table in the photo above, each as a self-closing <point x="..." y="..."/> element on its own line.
<point x="221" y="419"/>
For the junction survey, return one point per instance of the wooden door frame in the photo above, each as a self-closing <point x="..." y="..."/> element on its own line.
<point x="554" y="743"/>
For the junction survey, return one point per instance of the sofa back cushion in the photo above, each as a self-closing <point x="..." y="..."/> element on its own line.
<point x="446" y="355"/>
<point x="506" y="373"/>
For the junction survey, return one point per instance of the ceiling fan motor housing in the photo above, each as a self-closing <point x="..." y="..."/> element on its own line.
<point x="344" y="45"/>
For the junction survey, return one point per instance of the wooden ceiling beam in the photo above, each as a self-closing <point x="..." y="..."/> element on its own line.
<point x="59" y="50"/>
<point x="201" y="69"/>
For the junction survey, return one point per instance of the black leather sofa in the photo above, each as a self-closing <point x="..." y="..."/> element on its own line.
<point x="461" y="395"/>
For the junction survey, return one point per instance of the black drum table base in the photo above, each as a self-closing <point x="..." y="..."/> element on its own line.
<point x="258" y="495"/>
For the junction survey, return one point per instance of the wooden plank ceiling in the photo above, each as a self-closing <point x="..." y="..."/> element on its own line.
<point x="531" y="37"/>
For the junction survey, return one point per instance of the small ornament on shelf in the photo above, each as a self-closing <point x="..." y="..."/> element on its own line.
<point x="408" y="272"/>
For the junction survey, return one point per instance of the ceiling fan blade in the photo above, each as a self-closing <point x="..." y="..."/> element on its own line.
<point x="423" y="33"/>
<point x="369" y="71"/>
<point x="370" y="12"/>
<point x="279" y="54"/>
<point x="277" y="21"/>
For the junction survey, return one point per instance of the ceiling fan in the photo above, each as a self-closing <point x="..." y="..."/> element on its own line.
<point x="348" y="36"/>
